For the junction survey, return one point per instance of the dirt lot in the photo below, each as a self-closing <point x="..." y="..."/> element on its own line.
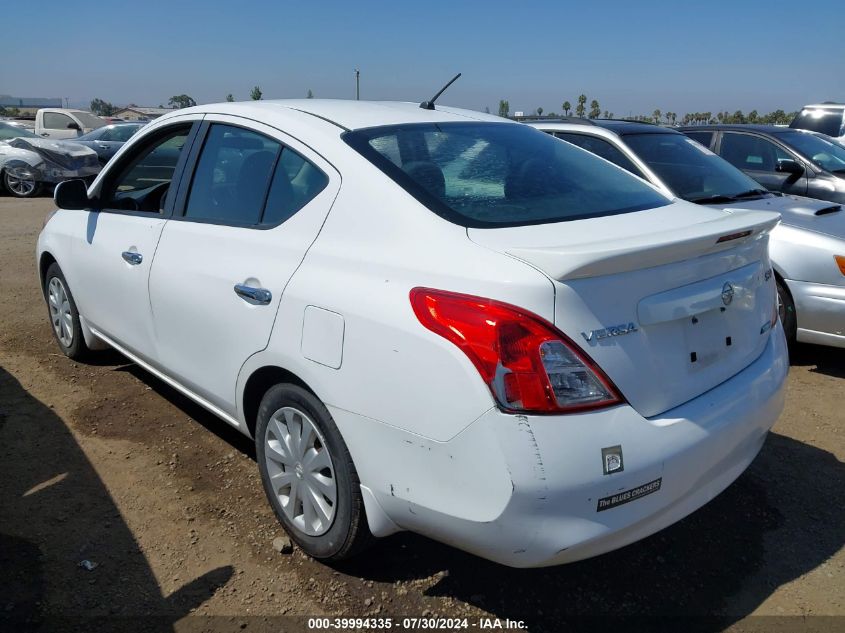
<point x="104" y="463"/>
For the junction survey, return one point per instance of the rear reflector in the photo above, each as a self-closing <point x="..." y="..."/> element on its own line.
<point x="526" y="362"/>
<point x="840" y="261"/>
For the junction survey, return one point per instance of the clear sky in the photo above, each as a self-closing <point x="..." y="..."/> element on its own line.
<point x="631" y="56"/>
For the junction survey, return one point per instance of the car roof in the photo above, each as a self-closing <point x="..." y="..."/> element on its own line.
<point x="617" y="126"/>
<point x="347" y="114"/>
<point x="825" y="106"/>
<point x="741" y="127"/>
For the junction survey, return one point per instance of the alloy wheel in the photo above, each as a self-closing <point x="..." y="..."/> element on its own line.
<point x="60" y="314"/>
<point x="20" y="181"/>
<point x="301" y="471"/>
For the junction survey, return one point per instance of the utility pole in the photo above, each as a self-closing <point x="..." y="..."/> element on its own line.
<point x="357" y="84"/>
<point x="66" y="100"/>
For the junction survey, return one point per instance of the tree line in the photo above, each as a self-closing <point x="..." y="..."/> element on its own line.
<point x="104" y="108"/>
<point x="778" y="117"/>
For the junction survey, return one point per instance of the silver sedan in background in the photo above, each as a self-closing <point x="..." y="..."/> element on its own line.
<point x="807" y="247"/>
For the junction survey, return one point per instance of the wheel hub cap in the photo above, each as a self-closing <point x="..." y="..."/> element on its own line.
<point x="60" y="315"/>
<point x="301" y="471"/>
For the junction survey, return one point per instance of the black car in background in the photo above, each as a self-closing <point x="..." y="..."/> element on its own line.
<point x="789" y="160"/>
<point x="108" y="139"/>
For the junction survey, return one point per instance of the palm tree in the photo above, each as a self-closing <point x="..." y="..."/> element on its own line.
<point x="581" y="109"/>
<point x="656" y="114"/>
<point x="566" y="107"/>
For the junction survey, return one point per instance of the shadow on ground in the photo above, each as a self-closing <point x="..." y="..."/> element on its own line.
<point x="56" y="513"/>
<point x="829" y="361"/>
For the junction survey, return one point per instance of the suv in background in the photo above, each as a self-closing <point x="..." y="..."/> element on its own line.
<point x="781" y="159"/>
<point x="825" y="118"/>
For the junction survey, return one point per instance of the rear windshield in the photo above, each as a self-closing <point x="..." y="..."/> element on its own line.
<point x="824" y="121"/>
<point x="501" y="174"/>
<point x="89" y="120"/>
<point x="688" y="168"/>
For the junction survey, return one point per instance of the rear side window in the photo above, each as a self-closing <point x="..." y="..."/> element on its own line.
<point x="819" y="120"/>
<point x="500" y="174"/>
<point x="705" y="138"/>
<point x="600" y="147"/>
<point x="244" y="178"/>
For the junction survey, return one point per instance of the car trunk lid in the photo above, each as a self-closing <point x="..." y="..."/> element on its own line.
<point x="669" y="302"/>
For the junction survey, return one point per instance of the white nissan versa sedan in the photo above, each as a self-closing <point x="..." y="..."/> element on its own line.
<point x="430" y="320"/>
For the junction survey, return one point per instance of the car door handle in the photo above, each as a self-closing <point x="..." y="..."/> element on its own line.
<point x="45" y="134"/>
<point x="132" y="258"/>
<point x="261" y="296"/>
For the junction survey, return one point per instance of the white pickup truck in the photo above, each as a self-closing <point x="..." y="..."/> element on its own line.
<point x="61" y="123"/>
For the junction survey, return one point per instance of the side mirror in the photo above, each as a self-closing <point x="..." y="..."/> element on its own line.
<point x="72" y="195"/>
<point x="73" y="125"/>
<point x="790" y="167"/>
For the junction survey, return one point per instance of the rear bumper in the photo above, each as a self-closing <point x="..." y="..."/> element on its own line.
<point x="524" y="490"/>
<point x="821" y="312"/>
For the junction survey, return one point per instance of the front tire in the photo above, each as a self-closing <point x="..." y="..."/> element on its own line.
<point x="308" y="474"/>
<point x="20" y="182"/>
<point x="64" y="317"/>
<point x="786" y="312"/>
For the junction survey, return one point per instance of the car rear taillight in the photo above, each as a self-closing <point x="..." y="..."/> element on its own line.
<point x="528" y="364"/>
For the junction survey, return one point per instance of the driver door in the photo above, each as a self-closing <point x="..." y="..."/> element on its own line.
<point x="116" y="252"/>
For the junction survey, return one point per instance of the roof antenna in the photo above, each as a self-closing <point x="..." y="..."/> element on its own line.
<point x="429" y="105"/>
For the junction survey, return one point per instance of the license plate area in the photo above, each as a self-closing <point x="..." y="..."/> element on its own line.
<point x="708" y="338"/>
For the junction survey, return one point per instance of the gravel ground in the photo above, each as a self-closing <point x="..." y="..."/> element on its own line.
<point x="103" y="463"/>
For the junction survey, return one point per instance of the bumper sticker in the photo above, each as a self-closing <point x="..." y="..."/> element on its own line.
<point x="633" y="494"/>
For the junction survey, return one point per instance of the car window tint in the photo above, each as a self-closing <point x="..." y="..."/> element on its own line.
<point x="295" y="182"/>
<point x="705" y="138"/>
<point x="751" y="152"/>
<point x="600" y="147"/>
<point x="56" y="121"/>
<point x="140" y="184"/>
<point x="232" y="176"/>
<point x="500" y="174"/>
<point x="688" y="168"/>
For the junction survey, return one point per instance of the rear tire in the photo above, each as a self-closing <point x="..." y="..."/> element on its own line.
<point x="308" y="474"/>
<point x="64" y="317"/>
<point x="786" y="312"/>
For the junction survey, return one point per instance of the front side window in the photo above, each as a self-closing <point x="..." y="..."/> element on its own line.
<point x="56" y="121"/>
<point x="244" y="178"/>
<point x="824" y="153"/>
<point x="600" y="147"/>
<point x="500" y="174"/>
<point x="688" y="168"/>
<point x="143" y="182"/>
<point x="751" y="152"/>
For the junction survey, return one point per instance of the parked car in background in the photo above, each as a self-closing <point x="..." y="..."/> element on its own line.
<point x="781" y="159"/>
<point x="807" y="248"/>
<point x="63" y="123"/>
<point x="430" y="319"/>
<point x="29" y="163"/>
<point x="108" y="139"/>
<point x="824" y="118"/>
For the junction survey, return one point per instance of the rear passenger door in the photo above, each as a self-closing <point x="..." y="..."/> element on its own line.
<point x="759" y="158"/>
<point x="250" y="205"/>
